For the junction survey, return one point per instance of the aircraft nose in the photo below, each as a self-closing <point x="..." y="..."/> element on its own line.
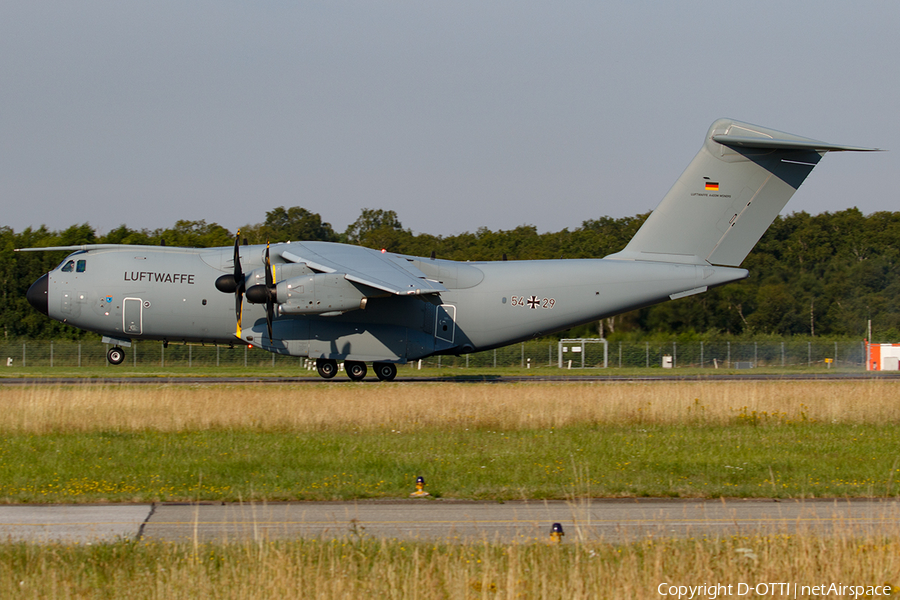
<point x="37" y="294"/>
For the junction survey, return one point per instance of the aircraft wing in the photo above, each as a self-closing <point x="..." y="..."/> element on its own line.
<point x="380" y="270"/>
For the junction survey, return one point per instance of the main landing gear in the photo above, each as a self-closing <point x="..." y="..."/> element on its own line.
<point x="356" y="370"/>
<point x="385" y="371"/>
<point x="326" y="367"/>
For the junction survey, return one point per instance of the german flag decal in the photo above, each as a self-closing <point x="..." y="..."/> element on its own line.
<point x="712" y="186"/>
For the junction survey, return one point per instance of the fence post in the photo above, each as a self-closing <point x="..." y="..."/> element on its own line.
<point x="495" y="358"/>
<point x="782" y="355"/>
<point x="162" y="355"/>
<point x="835" y="354"/>
<point x="523" y="355"/>
<point x="245" y="355"/>
<point x="190" y="356"/>
<point x="217" y="355"/>
<point x="550" y="354"/>
<point x="755" y="355"/>
<point x="467" y="361"/>
<point x="51" y="354"/>
<point x="674" y="355"/>
<point x="728" y="359"/>
<point x="134" y="353"/>
<point x="23" y="354"/>
<point x="647" y="350"/>
<point x="79" y="354"/>
<point x="701" y="355"/>
<point x="808" y="354"/>
<point x="620" y="355"/>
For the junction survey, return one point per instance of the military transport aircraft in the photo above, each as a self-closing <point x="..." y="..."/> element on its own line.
<point x="335" y="302"/>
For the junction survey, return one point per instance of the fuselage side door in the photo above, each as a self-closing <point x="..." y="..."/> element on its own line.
<point x="445" y="322"/>
<point x="132" y="312"/>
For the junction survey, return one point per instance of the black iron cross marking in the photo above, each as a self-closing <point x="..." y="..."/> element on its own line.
<point x="533" y="302"/>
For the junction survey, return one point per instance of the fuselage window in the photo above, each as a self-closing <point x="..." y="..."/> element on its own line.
<point x="68" y="267"/>
<point x="79" y="267"/>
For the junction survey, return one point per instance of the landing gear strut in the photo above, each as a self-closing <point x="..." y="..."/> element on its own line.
<point x="115" y="355"/>
<point x="355" y="370"/>
<point x="326" y="367"/>
<point x="385" y="371"/>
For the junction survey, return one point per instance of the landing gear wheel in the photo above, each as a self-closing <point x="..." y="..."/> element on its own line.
<point x="115" y="355"/>
<point x="385" y="371"/>
<point x="355" y="370"/>
<point x="326" y="367"/>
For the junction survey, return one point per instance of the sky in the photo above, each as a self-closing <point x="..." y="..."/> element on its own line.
<point x="456" y="115"/>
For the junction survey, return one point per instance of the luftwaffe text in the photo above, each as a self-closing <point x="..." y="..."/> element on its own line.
<point x="154" y="277"/>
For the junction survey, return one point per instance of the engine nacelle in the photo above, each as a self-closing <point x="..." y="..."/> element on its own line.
<point x="318" y="294"/>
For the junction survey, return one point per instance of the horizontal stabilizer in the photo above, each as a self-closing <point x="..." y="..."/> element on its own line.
<point x="776" y="144"/>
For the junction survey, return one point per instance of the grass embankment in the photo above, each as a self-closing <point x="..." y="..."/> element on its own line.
<point x="363" y="567"/>
<point x="91" y="443"/>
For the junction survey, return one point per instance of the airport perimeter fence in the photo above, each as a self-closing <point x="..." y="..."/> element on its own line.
<point x="527" y="355"/>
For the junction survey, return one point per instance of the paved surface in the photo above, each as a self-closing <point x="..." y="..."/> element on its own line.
<point x="447" y="520"/>
<point x="68" y="523"/>
<point x="857" y="376"/>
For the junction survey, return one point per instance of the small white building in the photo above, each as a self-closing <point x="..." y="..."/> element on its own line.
<point x="882" y="357"/>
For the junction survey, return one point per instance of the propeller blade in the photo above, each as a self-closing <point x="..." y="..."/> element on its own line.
<point x="239" y="284"/>
<point x="270" y="275"/>
<point x="270" y="292"/>
<point x="238" y="273"/>
<point x="238" y="308"/>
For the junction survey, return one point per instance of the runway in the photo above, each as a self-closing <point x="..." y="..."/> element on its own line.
<point x="189" y="380"/>
<point x="609" y="520"/>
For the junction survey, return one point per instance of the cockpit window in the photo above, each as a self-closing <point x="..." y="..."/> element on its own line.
<point x="72" y="265"/>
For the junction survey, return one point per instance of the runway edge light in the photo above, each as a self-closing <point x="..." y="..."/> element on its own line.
<point x="420" y="488"/>
<point x="556" y="533"/>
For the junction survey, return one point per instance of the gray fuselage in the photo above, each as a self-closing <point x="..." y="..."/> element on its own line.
<point x="159" y="293"/>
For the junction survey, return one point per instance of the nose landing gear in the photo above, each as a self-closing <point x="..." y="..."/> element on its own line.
<point x="115" y="356"/>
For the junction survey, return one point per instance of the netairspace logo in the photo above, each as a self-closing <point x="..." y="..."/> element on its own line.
<point x="711" y="591"/>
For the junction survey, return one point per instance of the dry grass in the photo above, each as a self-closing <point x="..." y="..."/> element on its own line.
<point x="360" y="568"/>
<point x="93" y="407"/>
<point x="363" y="567"/>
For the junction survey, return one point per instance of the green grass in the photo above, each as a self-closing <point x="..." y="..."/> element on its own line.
<point x="751" y="457"/>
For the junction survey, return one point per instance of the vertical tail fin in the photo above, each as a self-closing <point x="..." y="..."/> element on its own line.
<point x="728" y="196"/>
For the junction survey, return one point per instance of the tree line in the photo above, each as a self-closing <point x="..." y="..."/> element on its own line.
<point x="810" y="275"/>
